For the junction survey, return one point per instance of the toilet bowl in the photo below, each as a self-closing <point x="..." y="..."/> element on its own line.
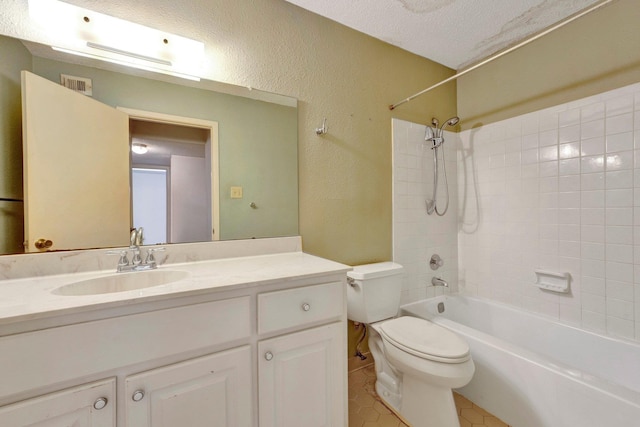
<point x="422" y="373"/>
<point x="417" y="362"/>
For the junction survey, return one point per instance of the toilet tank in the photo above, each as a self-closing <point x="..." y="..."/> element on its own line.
<point x="373" y="293"/>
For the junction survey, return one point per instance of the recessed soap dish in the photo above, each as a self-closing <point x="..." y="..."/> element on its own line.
<point x="550" y="281"/>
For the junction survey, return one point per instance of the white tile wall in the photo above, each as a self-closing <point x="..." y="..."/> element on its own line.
<point x="557" y="189"/>
<point x="416" y="235"/>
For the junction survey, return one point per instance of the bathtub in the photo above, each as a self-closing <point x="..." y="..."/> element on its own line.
<point x="534" y="372"/>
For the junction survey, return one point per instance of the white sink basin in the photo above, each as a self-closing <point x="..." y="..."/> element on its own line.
<point x="121" y="282"/>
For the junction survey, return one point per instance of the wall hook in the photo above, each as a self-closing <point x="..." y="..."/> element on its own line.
<point x="324" y="129"/>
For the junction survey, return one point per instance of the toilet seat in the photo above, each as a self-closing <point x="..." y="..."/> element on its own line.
<point x="424" y="339"/>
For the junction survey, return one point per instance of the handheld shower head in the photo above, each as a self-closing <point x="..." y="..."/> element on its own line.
<point x="437" y="139"/>
<point x="451" y="122"/>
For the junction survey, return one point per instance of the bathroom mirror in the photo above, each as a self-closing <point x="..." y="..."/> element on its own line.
<point x="257" y="140"/>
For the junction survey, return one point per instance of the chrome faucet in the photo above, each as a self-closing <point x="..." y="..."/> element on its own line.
<point x="436" y="281"/>
<point x="136" y="263"/>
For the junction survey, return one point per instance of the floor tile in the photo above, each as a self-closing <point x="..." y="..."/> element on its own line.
<point x="366" y="409"/>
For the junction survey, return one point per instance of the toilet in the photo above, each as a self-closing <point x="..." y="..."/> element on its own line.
<point x="417" y="362"/>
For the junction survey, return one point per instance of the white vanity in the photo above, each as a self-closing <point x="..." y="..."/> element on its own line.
<point x="254" y="335"/>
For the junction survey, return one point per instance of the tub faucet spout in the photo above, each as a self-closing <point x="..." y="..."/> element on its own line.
<point x="436" y="281"/>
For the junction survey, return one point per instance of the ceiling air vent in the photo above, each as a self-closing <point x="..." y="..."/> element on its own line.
<point x="78" y="84"/>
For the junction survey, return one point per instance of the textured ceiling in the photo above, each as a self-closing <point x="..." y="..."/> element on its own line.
<point x="455" y="33"/>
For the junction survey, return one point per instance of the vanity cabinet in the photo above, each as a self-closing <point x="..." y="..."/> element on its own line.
<point x="267" y="352"/>
<point x="210" y="391"/>
<point x="88" y="405"/>
<point x="301" y="372"/>
<point x="188" y="359"/>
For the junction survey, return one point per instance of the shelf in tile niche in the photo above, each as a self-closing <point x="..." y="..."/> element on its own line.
<point x="551" y="281"/>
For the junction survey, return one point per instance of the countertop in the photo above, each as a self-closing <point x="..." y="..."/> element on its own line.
<point x="32" y="298"/>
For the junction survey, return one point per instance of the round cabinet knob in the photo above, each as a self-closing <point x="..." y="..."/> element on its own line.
<point x="306" y="307"/>
<point x="100" y="403"/>
<point x="137" y="395"/>
<point x="268" y="355"/>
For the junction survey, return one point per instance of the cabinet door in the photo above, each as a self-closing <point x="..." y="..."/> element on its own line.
<point x="211" y="391"/>
<point x="301" y="379"/>
<point x="89" y="405"/>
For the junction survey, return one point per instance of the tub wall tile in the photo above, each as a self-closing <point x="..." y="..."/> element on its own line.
<point x="553" y="189"/>
<point x="573" y="206"/>
<point x="594" y="321"/>
<point x="621" y="328"/>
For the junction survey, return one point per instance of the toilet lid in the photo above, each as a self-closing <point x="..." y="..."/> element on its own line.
<point x="425" y="339"/>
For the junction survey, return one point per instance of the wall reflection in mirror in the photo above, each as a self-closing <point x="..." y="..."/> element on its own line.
<point x="189" y="186"/>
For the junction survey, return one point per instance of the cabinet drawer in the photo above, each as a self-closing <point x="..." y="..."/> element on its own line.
<point x="42" y="358"/>
<point x="300" y="306"/>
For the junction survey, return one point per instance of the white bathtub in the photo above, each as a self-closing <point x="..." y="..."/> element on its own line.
<point x="534" y="372"/>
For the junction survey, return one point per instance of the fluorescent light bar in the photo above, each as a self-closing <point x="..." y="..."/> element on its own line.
<point x="126" y="63"/>
<point x="125" y="53"/>
<point x="84" y="32"/>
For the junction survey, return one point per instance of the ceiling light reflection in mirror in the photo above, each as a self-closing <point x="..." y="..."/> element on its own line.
<point x="94" y="35"/>
<point x="139" y="148"/>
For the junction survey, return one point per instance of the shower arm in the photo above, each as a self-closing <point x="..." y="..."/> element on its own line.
<point x="504" y="52"/>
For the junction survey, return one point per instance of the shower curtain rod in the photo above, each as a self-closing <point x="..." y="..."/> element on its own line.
<point x="504" y="52"/>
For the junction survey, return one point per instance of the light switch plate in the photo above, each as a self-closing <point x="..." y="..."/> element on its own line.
<point x="236" y="192"/>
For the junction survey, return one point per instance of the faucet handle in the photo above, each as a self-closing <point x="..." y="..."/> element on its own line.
<point x="151" y="260"/>
<point x="436" y="262"/>
<point x="136" y="259"/>
<point x="123" y="261"/>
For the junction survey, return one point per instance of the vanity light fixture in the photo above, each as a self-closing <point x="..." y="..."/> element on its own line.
<point x="82" y="32"/>
<point x="139" y="148"/>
